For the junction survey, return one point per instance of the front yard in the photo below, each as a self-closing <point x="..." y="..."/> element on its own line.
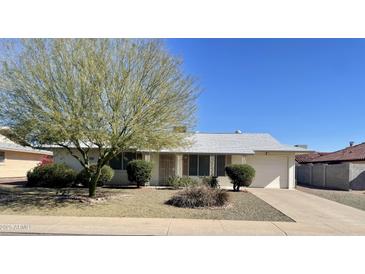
<point x="354" y="199"/>
<point x="145" y="202"/>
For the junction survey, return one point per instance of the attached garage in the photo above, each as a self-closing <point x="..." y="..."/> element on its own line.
<point x="271" y="171"/>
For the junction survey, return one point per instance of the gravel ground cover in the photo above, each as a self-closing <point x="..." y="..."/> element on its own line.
<point x="129" y="202"/>
<point x="354" y="199"/>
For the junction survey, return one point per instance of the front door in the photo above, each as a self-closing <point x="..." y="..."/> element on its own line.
<point x="166" y="167"/>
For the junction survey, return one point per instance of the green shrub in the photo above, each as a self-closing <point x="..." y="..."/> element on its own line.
<point x="211" y="181"/>
<point x="51" y="175"/>
<point x="139" y="172"/>
<point x="177" y="182"/>
<point x="199" y="196"/>
<point x="240" y="175"/>
<point x="106" y="176"/>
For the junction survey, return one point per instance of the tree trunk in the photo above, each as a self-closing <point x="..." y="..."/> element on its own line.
<point x="93" y="182"/>
<point x="92" y="188"/>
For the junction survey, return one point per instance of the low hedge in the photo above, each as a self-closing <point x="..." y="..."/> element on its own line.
<point x="51" y="175"/>
<point x="177" y="182"/>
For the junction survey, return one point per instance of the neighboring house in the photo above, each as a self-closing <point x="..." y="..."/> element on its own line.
<point x="16" y="160"/>
<point x="208" y="155"/>
<point x="342" y="169"/>
<point x="308" y="157"/>
<point x="353" y="154"/>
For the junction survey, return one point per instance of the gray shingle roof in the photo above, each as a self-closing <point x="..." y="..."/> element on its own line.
<point x="232" y="143"/>
<point x="229" y="143"/>
<point x="7" y="145"/>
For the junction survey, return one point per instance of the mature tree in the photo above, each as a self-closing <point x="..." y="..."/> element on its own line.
<point x="108" y="94"/>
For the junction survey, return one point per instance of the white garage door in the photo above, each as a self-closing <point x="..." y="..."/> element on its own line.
<point x="271" y="171"/>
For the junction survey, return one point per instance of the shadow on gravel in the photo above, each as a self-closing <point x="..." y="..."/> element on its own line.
<point x="20" y="198"/>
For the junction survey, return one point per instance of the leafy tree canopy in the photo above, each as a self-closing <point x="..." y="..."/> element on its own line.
<point x="111" y="94"/>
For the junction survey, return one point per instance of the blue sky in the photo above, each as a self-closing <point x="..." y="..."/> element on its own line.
<point x="302" y="91"/>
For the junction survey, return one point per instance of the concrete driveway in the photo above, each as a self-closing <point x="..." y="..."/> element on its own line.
<point x="313" y="215"/>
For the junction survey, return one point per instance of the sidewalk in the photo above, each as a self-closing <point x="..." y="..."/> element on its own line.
<point x="57" y="225"/>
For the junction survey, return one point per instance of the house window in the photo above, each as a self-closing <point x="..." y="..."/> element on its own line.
<point x="116" y="162"/>
<point x="193" y="165"/>
<point x="2" y="156"/>
<point x="127" y="157"/>
<point x="196" y="165"/>
<point x="121" y="161"/>
<point x="204" y="165"/>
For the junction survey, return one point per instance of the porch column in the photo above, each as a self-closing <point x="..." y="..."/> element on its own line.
<point x="212" y="165"/>
<point x="179" y="165"/>
<point x="147" y="158"/>
<point x="291" y="172"/>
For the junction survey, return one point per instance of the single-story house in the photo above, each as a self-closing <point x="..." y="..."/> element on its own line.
<point x="207" y="155"/>
<point x="343" y="169"/>
<point x="17" y="160"/>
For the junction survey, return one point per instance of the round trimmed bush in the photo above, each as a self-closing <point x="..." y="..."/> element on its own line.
<point x="199" y="196"/>
<point x="240" y="175"/>
<point x="51" y="175"/>
<point x="139" y="172"/>
<point x="106" y="175"/>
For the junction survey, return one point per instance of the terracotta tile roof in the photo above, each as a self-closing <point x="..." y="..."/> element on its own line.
<point x="309" y="157"/>
<point x="352" y="153"/>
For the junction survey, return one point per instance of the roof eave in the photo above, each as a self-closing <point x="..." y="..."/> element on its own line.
<point x="283" y="150"/>
<point x="43" y="152"/>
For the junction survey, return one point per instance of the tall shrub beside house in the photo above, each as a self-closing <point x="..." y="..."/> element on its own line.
<point x="240" y="175"/>
<point x="139" y="172"/>
<point x="51" y="175"/>
<point x="106" y="175"/>
<point x="109" y="94"/>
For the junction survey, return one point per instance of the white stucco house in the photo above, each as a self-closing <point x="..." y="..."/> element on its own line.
<point x="208" y="155"/>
